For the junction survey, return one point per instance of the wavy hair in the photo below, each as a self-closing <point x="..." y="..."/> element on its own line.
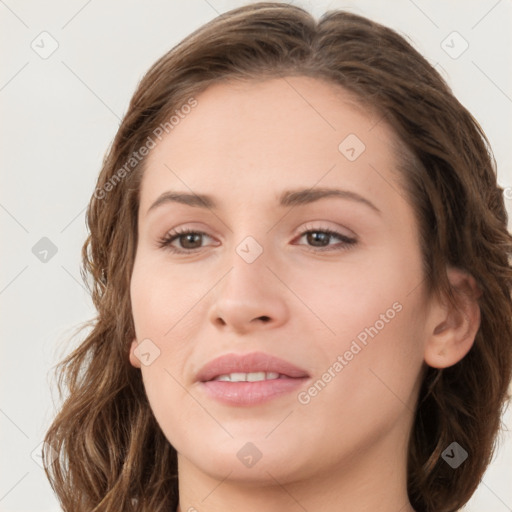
<point x="112" y="454"/>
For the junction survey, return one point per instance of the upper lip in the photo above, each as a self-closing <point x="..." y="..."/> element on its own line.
<point x="248" y="363"/>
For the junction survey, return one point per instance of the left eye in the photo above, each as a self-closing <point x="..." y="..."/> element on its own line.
<point x="191" y="241"/>
<point x="320" y="238"/>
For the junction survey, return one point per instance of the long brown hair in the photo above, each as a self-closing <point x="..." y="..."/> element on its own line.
<point x="112" y="455"/>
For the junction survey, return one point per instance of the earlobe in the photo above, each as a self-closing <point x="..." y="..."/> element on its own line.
<point x="134" y="360"/>
<point x="454" y="327"/>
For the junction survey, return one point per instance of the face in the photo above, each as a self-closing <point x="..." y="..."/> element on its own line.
<point x="319" y="293"/>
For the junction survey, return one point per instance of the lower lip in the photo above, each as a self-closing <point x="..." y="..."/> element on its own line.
<point x="250" y="393"/>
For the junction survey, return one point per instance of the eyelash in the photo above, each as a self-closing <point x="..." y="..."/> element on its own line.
<point x="166" y="241"/>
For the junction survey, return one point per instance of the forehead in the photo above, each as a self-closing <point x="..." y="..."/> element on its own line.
<point x="249" y="137"/>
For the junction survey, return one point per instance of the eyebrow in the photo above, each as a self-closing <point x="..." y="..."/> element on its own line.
<point x="287" y="198"/>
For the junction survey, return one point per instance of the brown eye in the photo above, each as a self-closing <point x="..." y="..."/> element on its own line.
<point x="320" y="239"/>
<point x="183" y="241"/>
<point x="190" y="240"/>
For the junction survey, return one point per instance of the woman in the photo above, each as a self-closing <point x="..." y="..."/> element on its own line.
<point x="300" y="261"/>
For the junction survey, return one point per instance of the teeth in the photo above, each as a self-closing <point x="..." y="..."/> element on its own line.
<point x="237" y="377"/>
<point x="248" y="377"/>
<point x="255" y="377"/>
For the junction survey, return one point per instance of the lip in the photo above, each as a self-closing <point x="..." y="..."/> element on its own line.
<point x="249" y="393"/>
<point x="246" y="363"/>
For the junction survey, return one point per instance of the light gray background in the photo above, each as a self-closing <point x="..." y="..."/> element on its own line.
<point x="59" y="115"/>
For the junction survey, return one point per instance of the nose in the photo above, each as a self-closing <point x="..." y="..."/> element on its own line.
<point x="249" y="298"/>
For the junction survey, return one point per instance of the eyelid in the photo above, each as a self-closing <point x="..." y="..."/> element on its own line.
<point x="323" y="226"/>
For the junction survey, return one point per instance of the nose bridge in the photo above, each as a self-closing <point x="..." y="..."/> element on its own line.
<point x="248" y="269"/>
<point x="250" y="251"/>
<point x="251" y="243"/>
<point x="250" y="295"/>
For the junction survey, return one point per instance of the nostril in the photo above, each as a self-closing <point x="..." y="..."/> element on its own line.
<point x="265" y="318"/>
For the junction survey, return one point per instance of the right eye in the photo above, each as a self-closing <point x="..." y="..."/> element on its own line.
<point x="188" y="239"/>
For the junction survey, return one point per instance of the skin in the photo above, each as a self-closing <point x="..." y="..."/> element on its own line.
<point x="346" y="449"/>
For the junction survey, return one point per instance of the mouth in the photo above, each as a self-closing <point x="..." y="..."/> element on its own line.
<point x="249" y="379"/>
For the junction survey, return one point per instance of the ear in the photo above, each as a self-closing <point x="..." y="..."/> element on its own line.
<point x="452" y="329"/>
<point x="134" y="360"/>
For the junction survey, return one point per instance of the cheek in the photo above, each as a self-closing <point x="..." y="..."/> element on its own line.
<point x="162" y="298"/>
<point x="371" y="368"/>
<point x="368" y="379"/>
<point x="165" y="307"/>
<point x="358" y="292"/>
<point x="374" y="312"/>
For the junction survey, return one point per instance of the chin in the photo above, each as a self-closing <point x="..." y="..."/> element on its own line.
<point x="254" y="463"/>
